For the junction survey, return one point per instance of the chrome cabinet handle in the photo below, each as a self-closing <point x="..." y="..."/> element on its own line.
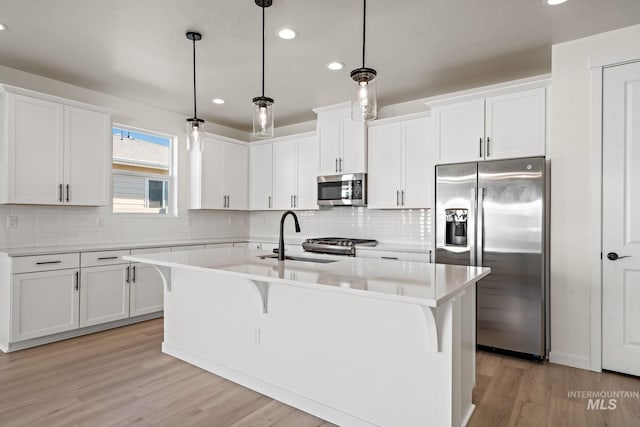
<point x="488" y="145"/>
<point x="60" y="193"/>
<point x="397" y="197"/>
<point x="336" y="164"/>
<point x="389" y="257"/>
<point x="480" y="147"/>
<point x="340" y="163"/>
<point x="134" y="274"/>
<point x="402" y="197"/>
<point x="104" y="258"/>
<point x="269" y="202"/>
<point x="77" y="281"/>
<point x="228" y="200"/>
<point x="291" y="201"/>
<point x="48" y="262"/>
<point x="614" y="256"/>
<point x="128" y="274"/>
<point x="67" y="193"/>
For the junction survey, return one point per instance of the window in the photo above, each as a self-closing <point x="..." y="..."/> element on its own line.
<point x="142" y="165"/>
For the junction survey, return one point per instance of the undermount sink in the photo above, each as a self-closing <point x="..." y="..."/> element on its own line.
<point x="300" y="258"/>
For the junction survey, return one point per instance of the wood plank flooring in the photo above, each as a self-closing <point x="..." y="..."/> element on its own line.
<point x="120" y="377"/>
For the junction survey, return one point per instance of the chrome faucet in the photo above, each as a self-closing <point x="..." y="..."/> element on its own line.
<point x="281" y="241"/>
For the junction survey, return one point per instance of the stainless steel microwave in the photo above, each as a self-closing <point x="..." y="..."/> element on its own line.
<point x="342" y="190"/>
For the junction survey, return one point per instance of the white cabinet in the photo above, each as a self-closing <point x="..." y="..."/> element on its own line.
<point x="219" y="175"/>
<point x="146" y="290"/>
<point x="507" y="125"/>
<point x="342" y="141"/>
<point x="261" y="176"/>
<point x="401" y="161"/>
<point x="53" y="151"/>
<point x="295" y="170"/>
<point x="104" y="287"/>
<point x="44" y="303"/>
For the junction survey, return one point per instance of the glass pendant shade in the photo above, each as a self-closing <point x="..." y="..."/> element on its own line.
<point x="263" y="117"/>
<point x="364" y="105"/>
<point x="194" y="134"/>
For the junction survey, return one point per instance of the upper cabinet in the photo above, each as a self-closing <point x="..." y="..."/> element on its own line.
<point x="295" y="167"/>
<point x="54" y="151"/>
<point x="401" y="160"/>
<point x="261" y="176"/>
<point x="508" y="124"/>
<point x="342" y="141"/>
<point x="219" y="175"/>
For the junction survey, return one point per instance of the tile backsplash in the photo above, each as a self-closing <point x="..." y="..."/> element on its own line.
<point x="39" y="226"/>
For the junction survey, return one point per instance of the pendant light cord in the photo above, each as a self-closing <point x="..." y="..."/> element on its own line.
<point x="364" y="29"/>
<point x="263" y="51"/>
<point x="195" y="111"/>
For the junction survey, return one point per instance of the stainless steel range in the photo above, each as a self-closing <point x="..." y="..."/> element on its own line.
<point x="336" y="245"/>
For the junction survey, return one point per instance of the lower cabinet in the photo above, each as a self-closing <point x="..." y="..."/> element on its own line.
<point x="146" y="294"/>
<point x="44" y="303"/>
<point x="104" y="294"/>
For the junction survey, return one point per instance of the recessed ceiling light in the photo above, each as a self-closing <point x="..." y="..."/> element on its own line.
<point x="217" y="101"/>
<point x="2" y="26"/>
<point x="555" y="2"/>
<point x="335" y="66"/>
<point x="286" y="33"/>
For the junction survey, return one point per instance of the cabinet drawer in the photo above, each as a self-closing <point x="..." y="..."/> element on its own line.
<point x="27" y="264"/>
<point x="90" y="259"/>
<point x="400" y="256"/>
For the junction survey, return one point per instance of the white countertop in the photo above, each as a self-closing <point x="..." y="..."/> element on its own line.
<point x="409" y="282"/>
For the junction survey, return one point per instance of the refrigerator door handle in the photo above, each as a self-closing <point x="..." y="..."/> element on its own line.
<point x="481" y="191"/>
<point x="471" y="233"/>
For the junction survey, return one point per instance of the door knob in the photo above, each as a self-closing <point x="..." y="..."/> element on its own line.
<point x="614" y="256"/>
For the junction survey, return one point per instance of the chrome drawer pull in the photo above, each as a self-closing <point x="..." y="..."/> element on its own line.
<point x="48" y="262"/>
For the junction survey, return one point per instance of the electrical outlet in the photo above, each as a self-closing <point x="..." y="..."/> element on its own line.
<point x="12" y="222"/>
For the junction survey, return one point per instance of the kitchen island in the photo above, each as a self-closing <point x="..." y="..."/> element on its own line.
<point x="357" y="342"/>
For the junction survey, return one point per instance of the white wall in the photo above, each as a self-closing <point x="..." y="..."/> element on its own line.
<point x="62" y="225"/>
<point x="570" y="141"/>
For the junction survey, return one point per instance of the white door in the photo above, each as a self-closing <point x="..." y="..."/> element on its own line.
<point x="261" y="176"/>
<point x="516" y="125"/>
<point x="329" y="132"/>
<point x="146" y="290"/>
<point x="104" y="294"/>
<point x="284" y="173"/>
<point x="385" y="165"/>
<point x="419" y="163"/>
<point x="43" y="303"/>
<point x="87" y="157"/>
<point x="211" y="179"/>
<point x="352" y="158"/>
<point x="460" y="132"/>
<point x="35" y="151"/>
<point x="236" y="173"/>
<point x="307" y="180"/>
<point x="621" y="219"/>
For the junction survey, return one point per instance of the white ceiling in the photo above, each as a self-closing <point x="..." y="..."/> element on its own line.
<point x="137" y="49"/>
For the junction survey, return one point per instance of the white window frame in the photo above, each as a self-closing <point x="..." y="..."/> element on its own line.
<point x="172" y="178"/>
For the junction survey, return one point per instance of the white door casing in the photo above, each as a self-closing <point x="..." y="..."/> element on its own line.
<point x="621" y="218"/>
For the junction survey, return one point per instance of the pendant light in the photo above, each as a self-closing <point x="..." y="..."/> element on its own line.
<point x="195" y="126"/>
<point x="263" y="105"/>
<point x="364" y="106"/>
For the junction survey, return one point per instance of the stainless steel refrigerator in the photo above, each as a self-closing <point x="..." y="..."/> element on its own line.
<point x="493" y="214"/>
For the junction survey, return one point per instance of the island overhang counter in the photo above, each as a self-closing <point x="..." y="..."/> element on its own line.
<point x="357" y="342"/>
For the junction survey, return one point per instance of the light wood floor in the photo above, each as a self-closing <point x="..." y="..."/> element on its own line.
<point x="120" y="377"/>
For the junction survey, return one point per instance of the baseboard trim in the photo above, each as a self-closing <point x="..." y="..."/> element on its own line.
<point x="573" y="360"/>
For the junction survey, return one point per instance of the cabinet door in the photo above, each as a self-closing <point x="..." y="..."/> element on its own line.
<point x="385" y="165"/>
<point x="307" y="164"/>
<point x="329" y="134"/>
<point x="104" y="294"/>
<point x="236" y="175"/>
<point x="419" y="165"/>
<point x="210" y="174"/>
<point x="43" y="303"/>
<point x="35" y="150"/>
<point x="284" y="173"/>
<point x="87" y="157"/>
<point x="146" y="290"/>
<point x="354" y="152"/>
<point x="460" y="132"/>
<point x="516" y="124"/>
<point x="261" y="176"/>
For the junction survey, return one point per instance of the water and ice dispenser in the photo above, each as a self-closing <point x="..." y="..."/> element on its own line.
<point x="456" y="228"/>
